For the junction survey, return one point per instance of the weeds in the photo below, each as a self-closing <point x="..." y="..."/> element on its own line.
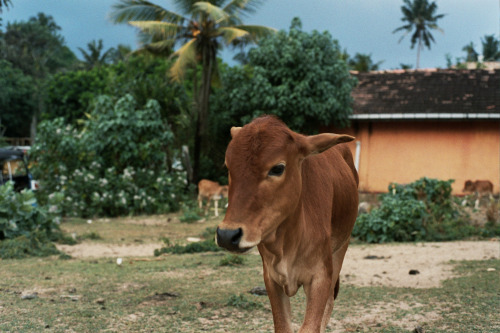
<point x="232" y="260"/>
<point x="242" y="302"/>
<point x="36" y="244"/>
<point x="207" y="245"/>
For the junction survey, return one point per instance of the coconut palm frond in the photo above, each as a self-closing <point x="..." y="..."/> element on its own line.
<point x="230" y="34"/>
<point x="164" y="30"/>
<point x="215" y="13"/>
<point x="141" y="10"/>
<point x="257" y="31"/>
<point x="244" y="7"/>
<point x="186" y="56"/>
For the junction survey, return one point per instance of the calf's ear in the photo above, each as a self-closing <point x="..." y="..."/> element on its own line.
<point x="235" y="131"/>
<point x="316" y="144"/>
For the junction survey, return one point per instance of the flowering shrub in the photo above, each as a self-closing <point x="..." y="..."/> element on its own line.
<point x="115" y="165"/>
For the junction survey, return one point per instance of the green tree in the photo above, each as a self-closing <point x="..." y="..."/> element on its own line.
<point x="471" y="54"/>
<point x="142" y="75"/>
<point x="120" y="53"/>
<point x="491" y="48"/>
<point x="201" y="29"/>
<point x="95" y="57"/>
<point x="16" y="105"/>
<point x="297" y="76"/>
<point x="38" y="50"/>
<point x="70" y="93"/>
<point x="420" y="17"/>
<point x="363" y="63"/>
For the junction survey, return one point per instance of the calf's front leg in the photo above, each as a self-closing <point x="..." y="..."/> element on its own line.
<point x="319" y="296"/>
<point x="280" y="305"/>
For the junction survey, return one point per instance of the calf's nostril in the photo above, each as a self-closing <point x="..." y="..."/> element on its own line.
<point x="235" y="240"/>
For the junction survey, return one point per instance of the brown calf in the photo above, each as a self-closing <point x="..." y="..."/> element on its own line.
<point x="294" y="197"/>
<point x="480" y="188"/>
<point x="210" y="190"/>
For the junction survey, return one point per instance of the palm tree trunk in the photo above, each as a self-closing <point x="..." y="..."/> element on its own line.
<point x="418" y="52"/>
<point x="203" y="106"/>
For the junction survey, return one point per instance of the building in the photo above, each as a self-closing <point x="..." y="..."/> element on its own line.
<point x="442" y="124"/>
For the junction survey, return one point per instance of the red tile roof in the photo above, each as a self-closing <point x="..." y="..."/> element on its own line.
<point x="428" y="93"/>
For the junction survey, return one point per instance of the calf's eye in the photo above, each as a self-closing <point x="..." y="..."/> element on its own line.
<point x="277" y="170"/>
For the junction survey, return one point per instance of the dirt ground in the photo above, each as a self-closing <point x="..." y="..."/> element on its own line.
<point x="364" y="265"/>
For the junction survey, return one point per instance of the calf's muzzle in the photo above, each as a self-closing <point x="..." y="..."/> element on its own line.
<point x="230" y="239"/>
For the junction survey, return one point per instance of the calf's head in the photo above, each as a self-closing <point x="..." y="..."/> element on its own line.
<point x="468" y="187"/>
<point x="264" y="160"/>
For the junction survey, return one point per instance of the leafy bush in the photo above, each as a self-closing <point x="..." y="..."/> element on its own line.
<point x="118" y="164"/>
<point x="25" y="227"/>
<point x="36" y="244"/>
<point x="421" y="211"/>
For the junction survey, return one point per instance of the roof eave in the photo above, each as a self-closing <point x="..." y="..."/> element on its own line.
<point x="425" y="116"/>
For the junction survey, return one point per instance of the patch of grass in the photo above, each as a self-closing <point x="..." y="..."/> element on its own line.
<point x="232" y="260"/>
<point x="190" y="217"/>
<point x="243" y="302"/>
<point x="90" y="235"/>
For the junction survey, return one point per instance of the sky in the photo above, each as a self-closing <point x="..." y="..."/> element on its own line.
<point x="360" y="26"/>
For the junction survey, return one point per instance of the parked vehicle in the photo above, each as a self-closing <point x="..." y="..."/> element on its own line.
<point x="14" y="167"/>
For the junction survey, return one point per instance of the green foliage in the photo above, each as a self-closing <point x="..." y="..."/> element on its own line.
<point x="27" y="229"/>
<point x="298" y="76"/>
<point x="421" y="211"/>
<point x="209" y="232"/>
<point x="116" y="165"/>
<point x="189" y="217"/>
<point x="189" y="212"/>
<point x="35" y="245"/>
<point x="46" y="52"/>
<point x="16" y="104"/>
<point x="232" y="260"/>
<point x="20" y="214"/>
<point x="363" y="63"/>
<point x="491" y="48"/>
<point x="419" y="17"/>
<point x="242" y="302"/>
<point x="70" y="93"/>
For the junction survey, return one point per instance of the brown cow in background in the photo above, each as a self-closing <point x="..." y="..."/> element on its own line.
<point x="295" y="197"/>
<point x="480" y="188"/>
<point x="211" y="191"/>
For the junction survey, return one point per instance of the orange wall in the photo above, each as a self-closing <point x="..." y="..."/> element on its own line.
<point x="404" y="151"/>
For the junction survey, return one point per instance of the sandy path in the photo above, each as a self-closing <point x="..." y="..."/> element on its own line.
<point x="431" y="260"/>
<point x="390" y="267"/>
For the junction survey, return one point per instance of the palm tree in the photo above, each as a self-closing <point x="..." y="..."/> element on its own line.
<point x="472" y="55"/>
<point x="363" y="63"/>
<point x="4" y="3"/>
<point x="491" y="48"/>
<point x="420" y="17"/>
<point x="95" y="57"/>
<point x="200" y="31"/>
